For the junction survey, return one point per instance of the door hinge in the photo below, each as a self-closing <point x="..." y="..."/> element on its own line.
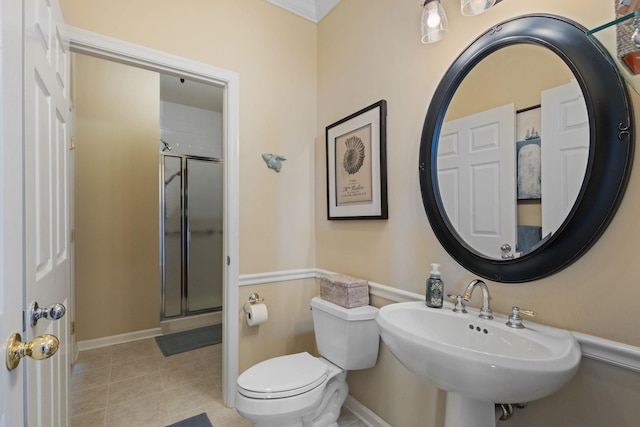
<point x="73" y="328"/>
<point x="72" y="144"/>
<point x="73" y="236"/>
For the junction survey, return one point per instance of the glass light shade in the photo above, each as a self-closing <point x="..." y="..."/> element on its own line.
<point x="475" y="7"/>
<point x="434" y="22"/>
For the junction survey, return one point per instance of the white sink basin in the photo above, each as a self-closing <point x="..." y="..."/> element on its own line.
<point x="482" y="360"/>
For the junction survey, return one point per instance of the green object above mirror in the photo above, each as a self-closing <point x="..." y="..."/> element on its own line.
<point x="470" y="195"/>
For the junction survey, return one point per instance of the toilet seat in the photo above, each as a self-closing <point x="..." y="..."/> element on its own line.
<point x="283" y="376"/>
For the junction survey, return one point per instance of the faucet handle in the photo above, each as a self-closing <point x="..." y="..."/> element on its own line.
<point x="515" y="321"/>
<point x="459" y="308"/>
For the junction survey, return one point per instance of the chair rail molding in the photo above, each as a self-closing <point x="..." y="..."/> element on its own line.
<point x="603" y="350"/>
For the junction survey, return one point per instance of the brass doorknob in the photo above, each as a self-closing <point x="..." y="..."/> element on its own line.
<point x="39" y="348"/>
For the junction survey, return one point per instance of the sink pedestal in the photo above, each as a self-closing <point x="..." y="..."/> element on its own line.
<point x="461" y="411"/>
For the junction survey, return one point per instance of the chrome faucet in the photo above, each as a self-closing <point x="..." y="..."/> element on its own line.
<point x="485" y="310"/>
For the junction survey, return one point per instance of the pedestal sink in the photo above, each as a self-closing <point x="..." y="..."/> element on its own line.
<point x="478" y="362"/>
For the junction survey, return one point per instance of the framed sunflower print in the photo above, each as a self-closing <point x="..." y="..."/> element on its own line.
<point x="357" y="165"/>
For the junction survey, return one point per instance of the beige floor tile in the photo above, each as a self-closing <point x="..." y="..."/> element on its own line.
<point x="134" y="350"/>
<point x="147" y="411"/>
<point x="177" y="360"/>
<point x="212" y="353"/>
<point x="95" y="358"/>
<point x="133" y="388"/>
<point x="133" y="369"/>
<point x="219" y="415"/>
<point x="191" y="397"/>
<point x="88" y="378"/>
<point x="184" y="374"/>
<point x="88" y="400"/>
<point x="227" y="417"/>
<point x="93" y="419"/>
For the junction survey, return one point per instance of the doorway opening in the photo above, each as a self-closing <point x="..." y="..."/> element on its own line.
<point x="89" y="43"/>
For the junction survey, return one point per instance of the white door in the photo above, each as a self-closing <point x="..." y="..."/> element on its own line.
<point x="11" y="216"/>
<point x="565" y="152"/>
<point x="47" y="253"/>
<point x="36" y="241"/>
<point x="477" y="179"/>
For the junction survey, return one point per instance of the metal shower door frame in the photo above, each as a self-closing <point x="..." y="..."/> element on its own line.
<point x="184" y="230"/>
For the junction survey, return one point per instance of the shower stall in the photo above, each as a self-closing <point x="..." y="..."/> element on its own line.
<point x="191" y="234"/>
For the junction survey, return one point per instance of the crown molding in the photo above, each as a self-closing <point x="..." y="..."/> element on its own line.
<point x="313" y="10"/>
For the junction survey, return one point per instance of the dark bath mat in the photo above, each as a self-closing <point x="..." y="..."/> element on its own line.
<point x="198" y="421"/>
<point x="180" y="342"/>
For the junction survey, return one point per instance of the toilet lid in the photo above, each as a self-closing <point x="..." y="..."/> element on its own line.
<point x="283" y="376"/>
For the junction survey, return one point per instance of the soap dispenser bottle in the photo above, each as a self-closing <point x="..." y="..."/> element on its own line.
<point x="435" y="288"/>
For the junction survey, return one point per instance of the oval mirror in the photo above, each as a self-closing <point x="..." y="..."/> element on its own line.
<point x="526" y="149"/>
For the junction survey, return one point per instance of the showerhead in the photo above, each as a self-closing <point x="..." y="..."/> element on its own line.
<point x="167" y="147"/>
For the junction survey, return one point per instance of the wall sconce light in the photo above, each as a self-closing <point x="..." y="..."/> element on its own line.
<point x="475" y="7"/>
<point x="433" y="22"/>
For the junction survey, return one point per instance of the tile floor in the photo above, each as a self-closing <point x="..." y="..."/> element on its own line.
<point x="134" y="384"/>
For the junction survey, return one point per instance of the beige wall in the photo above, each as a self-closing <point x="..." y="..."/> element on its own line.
<point x="515" y="74"/>
<point x="116" y="198"/>
<point x="296" y="78"/>
<point x="394" y="65"/>
<point x="274" y="52"/>
<point x="391" y="63"/>
<point x="289" y="328"/>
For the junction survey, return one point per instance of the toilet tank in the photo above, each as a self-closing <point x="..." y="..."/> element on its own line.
<point x="347" y="337"/>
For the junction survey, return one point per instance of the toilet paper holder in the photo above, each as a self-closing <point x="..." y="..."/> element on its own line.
<point x="253" y="299"/>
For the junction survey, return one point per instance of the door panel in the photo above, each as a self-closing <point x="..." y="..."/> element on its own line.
<point x="565" y="152"/>
<point x="11" y="211"/>
<point x="476" y="177"/>
<point x="192" y="227"/>
<point x="46" y="139"/>
<point x="204" y="258"/>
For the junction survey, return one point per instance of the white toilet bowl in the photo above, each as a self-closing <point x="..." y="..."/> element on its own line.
<point x="302" y="390"/>
<point x="292" y="391"/>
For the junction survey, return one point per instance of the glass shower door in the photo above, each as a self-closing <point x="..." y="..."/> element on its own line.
<point x="192" y="246"/>
<point x="204" y="234"/>
<point x="172" y="245"/>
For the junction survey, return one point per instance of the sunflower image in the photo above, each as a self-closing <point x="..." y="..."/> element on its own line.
<point x="354" y="156"/>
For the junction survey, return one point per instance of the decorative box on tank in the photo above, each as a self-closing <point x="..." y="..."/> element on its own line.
<point x="345" y="291"/>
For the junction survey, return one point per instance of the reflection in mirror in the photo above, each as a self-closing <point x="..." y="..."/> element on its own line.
<point x="610" y="146"/>
<point x="513" y="151"/>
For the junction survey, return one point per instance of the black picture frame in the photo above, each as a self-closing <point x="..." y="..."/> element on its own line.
<point x="357" y="165"/>
<point x="528" y="149"/>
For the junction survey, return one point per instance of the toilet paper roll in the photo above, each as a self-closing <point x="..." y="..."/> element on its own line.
<point x="257" y="314"/>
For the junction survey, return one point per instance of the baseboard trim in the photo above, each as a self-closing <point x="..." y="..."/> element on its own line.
<point x="117" y="339"/>
<point x="190" y="322"/>
<point x="364" y="414"/>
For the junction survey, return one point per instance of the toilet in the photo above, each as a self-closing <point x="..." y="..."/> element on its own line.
<point x="302" y="390"/>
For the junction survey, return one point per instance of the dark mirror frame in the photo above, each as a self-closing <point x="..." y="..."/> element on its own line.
<point x="610" y="153"/>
